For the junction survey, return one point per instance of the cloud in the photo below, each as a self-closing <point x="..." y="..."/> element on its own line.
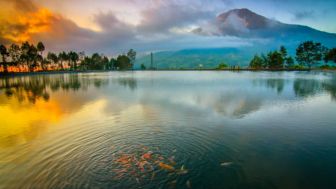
<point x="23" y="5"/>
<point x="164" y="16"/>
<point x="160" y="25"/>
<point x="302" y="15"/>
<point x="228" y="24"/>
<point x="116" y="29"/>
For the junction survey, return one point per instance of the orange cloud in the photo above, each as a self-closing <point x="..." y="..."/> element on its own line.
<point x="28" y="24"/>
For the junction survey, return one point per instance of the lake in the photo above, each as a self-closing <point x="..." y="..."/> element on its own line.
<point x="166" y="129"/>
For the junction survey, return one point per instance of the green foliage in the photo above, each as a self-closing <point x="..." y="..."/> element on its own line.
<point x="131" y="54"/>
<point x="123" y="63"/>
<point x="309" y="53"/>
<point x="222" y="66"/>
<point x="73" y="57"/>
<point x="113" y="63"/>
<point x="30" y="56"/>
<point x="330" y="55"/>
<point x="283" y="51"/>
<point x="14" y="52"/>
<point x="298" y="67"/>
<point x="289" y="62"/>
<point x="257" y="62"/>
<point x="142" y="66"/>
<point x="275" y="60"/>
<point x="53" y="57"/>
<point x="62" y="57"/>
<point x="40" y="47"/>
<point x="4" y="53"/>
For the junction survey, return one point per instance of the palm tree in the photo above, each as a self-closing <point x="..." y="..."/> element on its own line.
<point x="4" y="54"/>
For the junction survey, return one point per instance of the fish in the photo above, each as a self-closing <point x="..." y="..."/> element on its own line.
<point x="147" y="156"/>
<point x="188" y="183"/>
<point x="166" y="166"/>
<point x="226" y="164"/>
<point x="182" y="172"/>
<point x="141" y="165"/>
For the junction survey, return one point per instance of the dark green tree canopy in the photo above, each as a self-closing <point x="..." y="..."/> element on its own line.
<point x="330" y="55"/>
<point x="257" y="62"/>
<point x="123" y="62"/>
<point x="275" y="60"/>
<point x="309" y="53"/>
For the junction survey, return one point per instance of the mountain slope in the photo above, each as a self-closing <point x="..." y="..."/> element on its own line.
<point x="244" y="24"/>
<point x="247" y="24"/>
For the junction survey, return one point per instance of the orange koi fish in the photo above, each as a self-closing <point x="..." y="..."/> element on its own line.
<point x="166" y="166"/>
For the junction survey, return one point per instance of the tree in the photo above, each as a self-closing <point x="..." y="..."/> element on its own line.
<point x="29" y="55"/>
<point x="113" y="63"/>
<point x="40" y="48"/>
<point x="63" y="56"/>
<point x="4" y="55"/>
<point x="222" y="66"/>
<point x="24" y="57"/>
<point x="53" y="58"/>
<point x="256" y="62"/>
<point x="330" y="55"/>
<point x="283" y="52"/>
<point x="289" y="62"/>
<point x="33" y="57"/>
<point x="14" y="53"/>
<point x="123" y="62"/>
<point x="132" y="56"/>
<point x="142" y="66"/>
<point x="73" y="57"/>
<point x="105" y="62"/>
<point x="275" y="60"/>
<point x="309" y="53"/>
<point x="81" y="57"/>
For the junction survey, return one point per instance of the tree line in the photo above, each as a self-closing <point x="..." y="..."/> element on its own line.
<point x="308" y="54"/>
<point x="30" y="58"/>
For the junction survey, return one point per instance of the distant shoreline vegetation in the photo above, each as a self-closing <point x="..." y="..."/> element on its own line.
<point x="308" y="55"/>
<point x="28" y="58"/>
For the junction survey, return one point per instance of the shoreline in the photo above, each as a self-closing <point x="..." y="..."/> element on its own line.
<point x="2" y="75"/>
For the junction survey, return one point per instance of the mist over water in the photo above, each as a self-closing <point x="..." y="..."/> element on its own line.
<point x="174" y="129"/>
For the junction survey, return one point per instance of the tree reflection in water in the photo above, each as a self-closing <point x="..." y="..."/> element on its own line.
<point x="32" y="88"/>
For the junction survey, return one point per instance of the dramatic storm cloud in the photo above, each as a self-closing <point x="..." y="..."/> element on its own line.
<point x="113" y="26"/>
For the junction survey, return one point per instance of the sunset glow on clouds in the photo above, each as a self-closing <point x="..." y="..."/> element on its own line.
<point x="112" y="26"/>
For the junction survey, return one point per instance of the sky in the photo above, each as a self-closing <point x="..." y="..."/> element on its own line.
<point x="114" y="26"/>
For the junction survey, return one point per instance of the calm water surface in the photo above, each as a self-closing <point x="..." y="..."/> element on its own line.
<point x="169" y="130"/>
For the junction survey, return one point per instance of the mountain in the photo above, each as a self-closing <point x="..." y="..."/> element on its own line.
<point x="247" y="24"/>
<point x="244" y="24"/>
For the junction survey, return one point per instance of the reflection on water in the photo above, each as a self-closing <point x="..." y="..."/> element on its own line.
<point x="168" y="130"/>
